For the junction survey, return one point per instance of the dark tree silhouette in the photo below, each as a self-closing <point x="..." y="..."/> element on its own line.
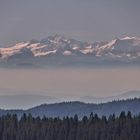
<point x="124" y="127"/>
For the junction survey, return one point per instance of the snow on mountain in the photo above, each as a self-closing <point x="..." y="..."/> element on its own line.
<point x="126" y="49"/>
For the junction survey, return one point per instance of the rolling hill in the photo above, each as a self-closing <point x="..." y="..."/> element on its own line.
<point x="71" y="108"/>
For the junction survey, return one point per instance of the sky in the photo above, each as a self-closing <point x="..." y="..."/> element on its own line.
<point x="70" y="83"/>
<point x="87" y="20"/>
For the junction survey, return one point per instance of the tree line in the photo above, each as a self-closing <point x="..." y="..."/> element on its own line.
<point x="123" y="127"/>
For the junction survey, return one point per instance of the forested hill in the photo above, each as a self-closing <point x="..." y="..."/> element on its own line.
<point x="93" y="127"/>
<point x="81" y="109"/>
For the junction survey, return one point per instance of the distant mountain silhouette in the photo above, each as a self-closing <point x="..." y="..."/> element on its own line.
<point x="71" y="108"/>
<point x="126" y="95"/>
<point x="24" y="101"/>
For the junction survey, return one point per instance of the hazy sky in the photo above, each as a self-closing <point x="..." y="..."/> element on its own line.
<point x="93" y="20"/>
<point x="70" y="83"/>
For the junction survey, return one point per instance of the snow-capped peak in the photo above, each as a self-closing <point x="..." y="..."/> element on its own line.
<point x="129" y="38"/>
<point x="109" y="45"/>
<point x="124" y="49"/>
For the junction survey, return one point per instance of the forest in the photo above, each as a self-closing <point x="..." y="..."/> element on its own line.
<point x="123" y="127"/>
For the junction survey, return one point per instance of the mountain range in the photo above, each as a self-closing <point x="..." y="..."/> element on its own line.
<point x="71" y="108"/>
<point x="61" y="51"/>
<point x="26" y="100"/>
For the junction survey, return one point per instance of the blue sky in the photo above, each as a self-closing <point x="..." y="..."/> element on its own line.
<point x="91" y="20"/>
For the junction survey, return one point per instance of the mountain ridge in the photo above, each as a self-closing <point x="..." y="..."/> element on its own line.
<point x="59" y="50"/>
<point x="26" y="100"/>
<point x="126" y="95"/>
<point x="64" y="109"/>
